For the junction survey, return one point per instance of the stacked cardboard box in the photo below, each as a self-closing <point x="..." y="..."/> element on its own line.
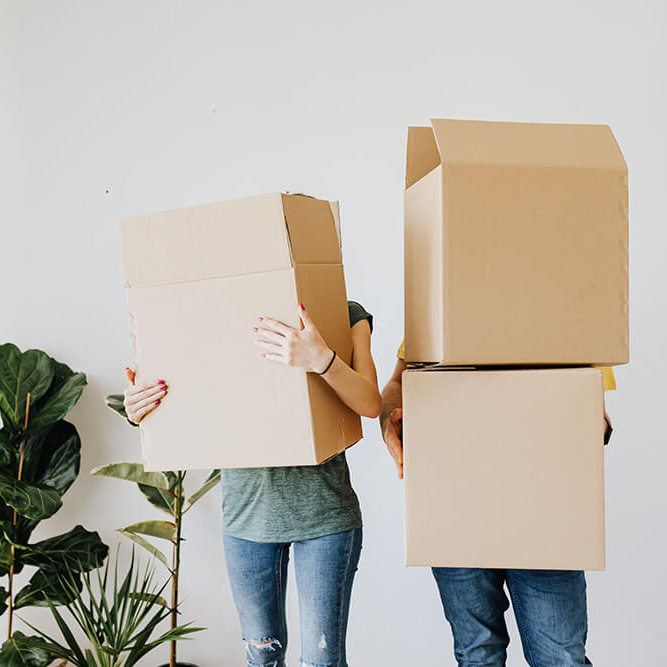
<point x="516" y="270"/>
<point x="197" y="280"/>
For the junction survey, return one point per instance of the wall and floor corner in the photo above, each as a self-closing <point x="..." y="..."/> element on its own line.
<point x="115" y="109"/>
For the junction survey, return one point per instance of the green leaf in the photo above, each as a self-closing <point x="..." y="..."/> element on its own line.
<point x="149" y="597"/>
<point x="116" y="402"/>
<point x="5" y="447"/>
<point x="34" y="501"/>
<point x="211" y="482"/>
<point x="165" y="530"/>
<point x="163" y="498"/>
<point x="22" y="651"/>
<point x="21" y="373"/>
<point x="3" y="600"/>
<point x="43" y="585"/>
<point x="52" y="456"/>
<point x="6" y="557"/>
<point x="145" y="544"/>
<point x="132" y="472"/>
<point x="79" y="550"/>
<point x="64" y="394"/>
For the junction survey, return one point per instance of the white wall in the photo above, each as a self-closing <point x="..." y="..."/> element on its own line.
<point x="116" y="108"/>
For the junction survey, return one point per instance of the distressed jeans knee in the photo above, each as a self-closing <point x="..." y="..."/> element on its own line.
<point x="267" y="652"/>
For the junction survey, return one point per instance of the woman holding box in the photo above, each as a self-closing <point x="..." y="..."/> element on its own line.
<point x="313" y="508"/>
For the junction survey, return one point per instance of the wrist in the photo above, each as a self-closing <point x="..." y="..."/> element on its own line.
<point x="323" y="361"/>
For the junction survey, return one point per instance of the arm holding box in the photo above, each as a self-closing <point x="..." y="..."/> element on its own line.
<point x="356" y="386"/>
<point x="391" y="416"/>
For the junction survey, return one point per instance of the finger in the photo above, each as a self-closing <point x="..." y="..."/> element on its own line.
<point x="273" y="357"/>
<point x="136" y="394"/>
<point x="140" y="414"/>
<point x="396" y="451"/>
<point x="306" y="319"/>
<point x="273" y="347"/>
<point x="149" y="399"/>
<point x="130" y="374"/>
<point x="274" y="325"/>
<point x="136" y="398"/>
<point x="269" y="335"/>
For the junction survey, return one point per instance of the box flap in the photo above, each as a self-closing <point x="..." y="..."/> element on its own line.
<point x="228" y="238"/>
<point x="536" y="144"/>
<point x="312" y="230"/>
<point x="422" y="154"/>
<point x="335" y="210"/>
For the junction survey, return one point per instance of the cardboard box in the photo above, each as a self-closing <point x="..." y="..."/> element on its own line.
<point x="504" y="468"/>
<point x="516" y="244"/>
<point x="197" y="280"/>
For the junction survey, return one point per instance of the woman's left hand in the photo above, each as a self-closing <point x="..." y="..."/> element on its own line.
<point x="293" y="347"/>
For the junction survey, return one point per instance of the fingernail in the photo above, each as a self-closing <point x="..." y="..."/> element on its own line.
<point x="255" y="329"/>
<point x="261" y="319"/>
<point x="161" y="382"/>
<point x="157" y="402"/>
<point x="263" y="356"/>
<point x="301" y="306"/>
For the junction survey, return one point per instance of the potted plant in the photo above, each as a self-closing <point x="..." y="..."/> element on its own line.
<point x="166" y="492"/>
<point x="119" y="619"/>
<point x="39" y="461"/>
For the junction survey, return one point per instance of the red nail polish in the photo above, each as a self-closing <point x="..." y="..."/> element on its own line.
<point x="255" y="329"/>
<point x="157" y="402"/>
<point x="263" y="356"/>
<point x="301" y="306"/>
<point x="261" y="319"/>
<point x="161" y="382"/>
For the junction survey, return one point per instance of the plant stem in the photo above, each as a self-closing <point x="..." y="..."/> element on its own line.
<point x="176" y="561"/>
<point x="10" y="585"/>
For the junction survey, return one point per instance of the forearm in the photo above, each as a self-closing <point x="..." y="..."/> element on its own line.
<point x="357" y="392"/>
<point x="392" y="398"/>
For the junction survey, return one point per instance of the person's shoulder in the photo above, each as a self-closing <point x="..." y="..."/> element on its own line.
<point x="357" y="313"/>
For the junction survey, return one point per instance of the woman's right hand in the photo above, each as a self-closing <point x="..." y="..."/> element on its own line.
<point x="142" y="399"/>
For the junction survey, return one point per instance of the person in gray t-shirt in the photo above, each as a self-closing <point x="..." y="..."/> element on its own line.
<point x="312" y="508"/>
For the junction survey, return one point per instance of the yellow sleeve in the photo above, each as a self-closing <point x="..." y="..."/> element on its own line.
<point x="608" y="379"/>
<point x="401" y="350"/>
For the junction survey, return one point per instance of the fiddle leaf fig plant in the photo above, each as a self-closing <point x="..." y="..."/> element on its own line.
<point x="39" y="461"/>
<point x="165" y="491"/>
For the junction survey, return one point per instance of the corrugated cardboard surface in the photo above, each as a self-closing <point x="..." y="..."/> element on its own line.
<point x="504" y="468"/>
<point x="533" y="245"/>
<point x="197" y="281"/>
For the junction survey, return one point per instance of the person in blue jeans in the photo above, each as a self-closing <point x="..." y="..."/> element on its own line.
<point x="549" y="605"/>
<point x="312" y="510"/>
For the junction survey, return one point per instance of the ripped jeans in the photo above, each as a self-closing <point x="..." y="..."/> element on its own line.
<point x="325" y="568"/>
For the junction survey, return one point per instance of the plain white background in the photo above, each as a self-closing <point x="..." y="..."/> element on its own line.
<point x="110" y="109"/>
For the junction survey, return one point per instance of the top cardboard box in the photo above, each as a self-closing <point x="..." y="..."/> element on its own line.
<point x="516" y="244"/>
<point x="197" y="280"/>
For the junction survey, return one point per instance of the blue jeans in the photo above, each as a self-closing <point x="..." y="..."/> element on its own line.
<point x="549" y="606"/>
<point x="325" y="569"/>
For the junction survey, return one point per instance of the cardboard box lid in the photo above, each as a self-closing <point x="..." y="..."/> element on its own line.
<point x="495" y="143"/>
<point x="265" y="233"/>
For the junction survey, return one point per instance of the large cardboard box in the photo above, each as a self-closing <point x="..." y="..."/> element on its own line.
<point x="197" y="280"/>
<point x="516" y="244"/>
<point x="504" y="468"/>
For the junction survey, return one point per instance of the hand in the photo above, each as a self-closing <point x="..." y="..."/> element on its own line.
<point x="140" y="400"/>
<point x="392" y="434"/>
<point x="304" y="348"/>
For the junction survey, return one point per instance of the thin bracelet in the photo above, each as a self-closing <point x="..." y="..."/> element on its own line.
<point x="333" y="358"/>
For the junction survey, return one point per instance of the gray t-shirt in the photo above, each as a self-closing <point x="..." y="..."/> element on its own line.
<point x="294" y="503"/>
